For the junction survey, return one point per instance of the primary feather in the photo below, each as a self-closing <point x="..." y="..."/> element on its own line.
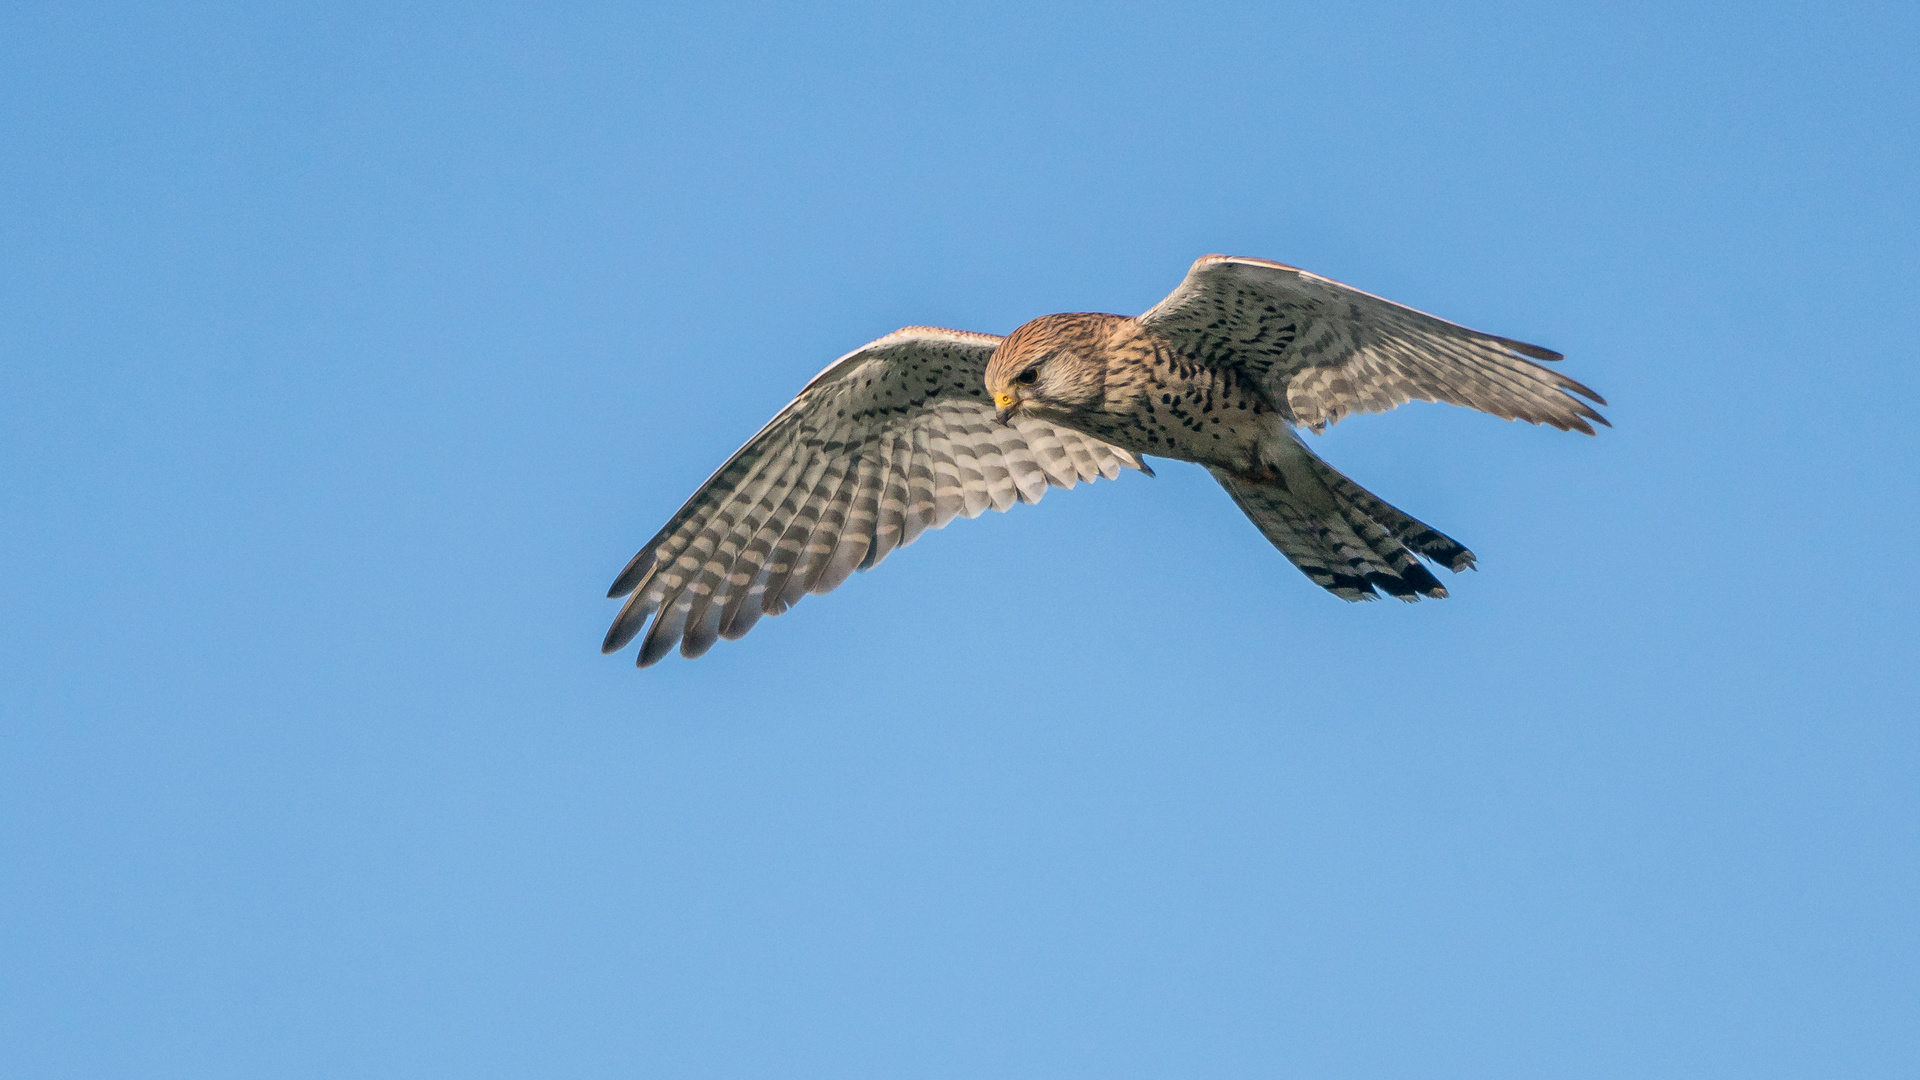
<point x="925" y="425"/>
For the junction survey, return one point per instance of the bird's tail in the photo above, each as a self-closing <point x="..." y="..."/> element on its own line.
<point x="1346" y="539"/>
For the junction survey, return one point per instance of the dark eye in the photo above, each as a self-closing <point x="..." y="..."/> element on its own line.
<point x="1028" y="375"/>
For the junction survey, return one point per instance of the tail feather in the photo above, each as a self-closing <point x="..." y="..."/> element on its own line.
<point x="1424" y="539"/>
<point x="1346" y="539"/>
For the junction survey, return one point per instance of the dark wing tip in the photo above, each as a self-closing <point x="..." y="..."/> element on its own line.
<point x="624" y="629"/>
<point x="629" y="578"/>
<point x="627" y="625"/>
<point x="617" y="637"/>
<point x="1538" y="352"/>
<point x="655" y="649"/>
<point x="1585" y="412"/>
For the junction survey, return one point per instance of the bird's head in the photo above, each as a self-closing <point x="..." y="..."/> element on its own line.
<point x="1051" y="367"/>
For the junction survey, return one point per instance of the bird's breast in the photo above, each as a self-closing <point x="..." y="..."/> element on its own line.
<point x="1168" y="407"/>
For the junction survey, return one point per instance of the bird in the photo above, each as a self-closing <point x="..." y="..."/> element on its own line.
<point x="927" y="424"/>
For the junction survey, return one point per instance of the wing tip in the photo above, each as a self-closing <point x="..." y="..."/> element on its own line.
<point x="622" y="632"/>
<point x="655" y="648"/>
<point x="627" y="625"/>
<point x="630" y="577"/>
<point x="1584" y="413"/>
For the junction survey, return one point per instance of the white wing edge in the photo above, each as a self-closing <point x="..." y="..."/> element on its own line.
<point x="937" y="334"/>
<point x="636" y="568"/>
<point x="639" y="569"/>
<point x="1178" y="297"/>
<point x="838" y="369"/>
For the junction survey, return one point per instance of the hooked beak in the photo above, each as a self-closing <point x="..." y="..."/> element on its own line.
<point x="1003" y="407"/>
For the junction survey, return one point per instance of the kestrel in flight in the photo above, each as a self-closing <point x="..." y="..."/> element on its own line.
<point x="905" y="432"/>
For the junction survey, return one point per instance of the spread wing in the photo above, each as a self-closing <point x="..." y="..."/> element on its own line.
<point x="1323" y="350"/>
<point x="890" y="440"/>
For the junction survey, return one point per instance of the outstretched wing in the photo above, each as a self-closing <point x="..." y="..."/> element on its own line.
<point x="892" y="439"/>
<point x="1323" y="350"/>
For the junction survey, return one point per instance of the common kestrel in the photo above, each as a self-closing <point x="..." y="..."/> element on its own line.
<point x="905" y="432"/>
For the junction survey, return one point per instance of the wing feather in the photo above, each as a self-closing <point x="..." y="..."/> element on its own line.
<point x="1323" y="350"/>
<point x="826" y="533"/>
<point x="863" y="513"/>
<point x="949" y="492"/>
<point x="922" y="487"/>
<point x="1049" y="452"/>
<point x="790" y="551"/>
<point x="890" y="440"/>
<point x="746" y="580"/>
<point x="889" y="528"/>
<point x="735" y="526"/>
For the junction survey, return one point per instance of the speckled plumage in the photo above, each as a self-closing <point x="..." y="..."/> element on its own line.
<point x="927" y="424"/>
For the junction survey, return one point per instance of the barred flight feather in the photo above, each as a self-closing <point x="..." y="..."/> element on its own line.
<point x="1339" y="549"/>
<point x="891" y="440"/>
<point x="1346" y="539"/>
<point x="1346" y="351"/>
<point x="897" y="437"/>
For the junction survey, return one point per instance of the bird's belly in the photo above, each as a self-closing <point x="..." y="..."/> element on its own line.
<point x="1186" y="430"/>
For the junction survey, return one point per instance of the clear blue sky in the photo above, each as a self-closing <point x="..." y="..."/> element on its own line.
<point x="346" y="354"/>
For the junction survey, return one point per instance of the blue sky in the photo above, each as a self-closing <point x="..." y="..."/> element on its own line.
<point x="346" y="355"/>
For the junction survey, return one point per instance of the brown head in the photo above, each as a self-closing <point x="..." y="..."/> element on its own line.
<point x="1052" y="366"/>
